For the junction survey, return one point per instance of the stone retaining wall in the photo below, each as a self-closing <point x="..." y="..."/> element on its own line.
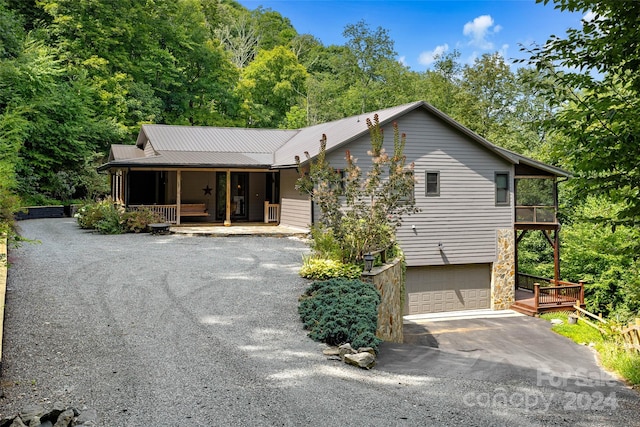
<point x="37" y="212"/>
<point x="388" y="280"/>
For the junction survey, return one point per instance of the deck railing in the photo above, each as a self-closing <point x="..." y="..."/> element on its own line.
<point x="536" y="214"/>
<point x="271" y="212"/>
<point x="526" y="281"/>
<point x="563" y="295"/>
<point x="167" y="212"/>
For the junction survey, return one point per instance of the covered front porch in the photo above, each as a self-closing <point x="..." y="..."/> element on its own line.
<point x="200" y="196"/>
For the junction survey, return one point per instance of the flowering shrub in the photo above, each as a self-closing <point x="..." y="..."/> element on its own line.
<point x="360" y="212"/>
<point x="105" y="217"/>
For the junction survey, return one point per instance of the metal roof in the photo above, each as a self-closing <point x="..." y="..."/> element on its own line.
<point x="191" y="146"/>
<point x="121" y="152"/>
<point x="339" y="133"/>
<point x="206" y="139"/>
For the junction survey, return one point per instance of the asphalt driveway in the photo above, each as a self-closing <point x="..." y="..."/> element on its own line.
<point x="199" y="331"/>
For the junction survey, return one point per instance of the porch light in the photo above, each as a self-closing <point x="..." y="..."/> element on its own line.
<point x="368" y="261"/>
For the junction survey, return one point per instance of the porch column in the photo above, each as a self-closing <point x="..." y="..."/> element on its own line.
<point x="178" y="195"/>
<point x="227" y="221"/>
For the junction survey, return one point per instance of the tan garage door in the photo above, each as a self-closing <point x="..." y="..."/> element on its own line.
<point x="448" y="288"/>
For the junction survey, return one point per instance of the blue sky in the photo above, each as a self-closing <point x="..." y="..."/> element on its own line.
<point x="423" y="28"/>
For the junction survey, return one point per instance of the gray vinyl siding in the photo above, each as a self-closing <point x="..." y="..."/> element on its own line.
<point x="295" y="208"/>
<point x="464" y="217"/>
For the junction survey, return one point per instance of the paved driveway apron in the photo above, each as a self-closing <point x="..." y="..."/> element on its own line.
<point x="175" y="331"/>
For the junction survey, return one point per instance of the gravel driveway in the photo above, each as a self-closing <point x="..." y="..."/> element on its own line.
<point x="196" y="331"/>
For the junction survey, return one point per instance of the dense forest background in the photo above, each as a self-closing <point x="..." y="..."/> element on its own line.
<point x="79" y="75"/>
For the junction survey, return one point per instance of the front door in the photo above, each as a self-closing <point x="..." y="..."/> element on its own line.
<point x="239" y="191"/>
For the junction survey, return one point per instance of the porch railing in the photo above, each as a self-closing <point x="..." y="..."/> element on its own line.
<point x="271" y="212"/>
<point x="526" y="281"/>
<point x="536" y="214"/>
<point x="564" y="295"/>
<point x="168" y="212"/>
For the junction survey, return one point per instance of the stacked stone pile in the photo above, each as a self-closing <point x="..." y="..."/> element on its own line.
<point x="364" y="357"/>
<point x="57" y="416"/>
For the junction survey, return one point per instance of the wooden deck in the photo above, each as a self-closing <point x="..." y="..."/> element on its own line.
<point x="543" y="299"/>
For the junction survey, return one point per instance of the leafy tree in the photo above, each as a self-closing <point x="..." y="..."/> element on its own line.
<point x="273" y="29"/>
<point x="270" y="86"/>
<point x="373" y="204"/>
<point x="370" y="51"/>
<point x="12" y="32"/>
<point x="594" y="71"/>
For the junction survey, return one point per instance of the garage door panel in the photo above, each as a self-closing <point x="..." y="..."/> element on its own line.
<point x="448" y="288"/>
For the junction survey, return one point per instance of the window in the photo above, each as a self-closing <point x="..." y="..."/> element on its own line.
<point x="502" y="188"/>
<point x="432" y="183"/>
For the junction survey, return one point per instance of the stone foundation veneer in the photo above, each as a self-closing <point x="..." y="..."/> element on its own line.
<point x="503" y="274"/>
<point x="388" y="280"/>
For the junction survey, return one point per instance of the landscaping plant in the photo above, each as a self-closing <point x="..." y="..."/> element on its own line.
<point x="360" y="212"/>
<point x="105" y="217"/>
<point x="339" y="311"/>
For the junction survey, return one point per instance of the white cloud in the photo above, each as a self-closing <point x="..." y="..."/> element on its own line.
<point x="403" y="60"/>
<point x="589" y="16"/>
<point x="428" y="57"/>
<point x="479" y="29"/>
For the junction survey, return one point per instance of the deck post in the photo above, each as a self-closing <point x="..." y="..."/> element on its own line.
<point x="581" y="283"/>
<point x="536" y="295"/>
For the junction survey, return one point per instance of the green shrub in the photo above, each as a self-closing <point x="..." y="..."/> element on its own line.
<point x="102" y="216"/>
<point x="338" y="311"/>
<point x="90" y="213"/>
<point x="138" y="221"/>
<point x="324" y="243"/>
<point x="322" y="269"/>
<point x="112" y="221"/>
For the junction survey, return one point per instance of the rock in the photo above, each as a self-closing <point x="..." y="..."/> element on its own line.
<point x="362" y="360"/>
<point x="88" y="417"/>
<point x="17" y="422"/>
<point x="366" y="350"/>
<point x="64" y="419"/>
<point x="45" y="424"/>
<point x="331" y="351"/>
<point x="32" y="411"/>
<point x="33" y="422"/>
<point x="346" y="349"/>
<point x="556" y="321"/>
<point x="53" y="414"/>
<point x="334" y="358"/>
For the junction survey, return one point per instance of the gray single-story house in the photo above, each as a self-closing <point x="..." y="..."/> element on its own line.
<point x="460" y="248"/>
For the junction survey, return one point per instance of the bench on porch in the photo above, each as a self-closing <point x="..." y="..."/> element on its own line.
<point x="193" y="209"/>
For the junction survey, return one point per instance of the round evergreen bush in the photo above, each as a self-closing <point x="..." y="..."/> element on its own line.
<point x="339" y="310"/>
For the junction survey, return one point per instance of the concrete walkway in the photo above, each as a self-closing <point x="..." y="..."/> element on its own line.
<point x="218" y="230"/>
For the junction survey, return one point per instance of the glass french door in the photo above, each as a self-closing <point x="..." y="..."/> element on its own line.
<point x="239" y="191"/>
